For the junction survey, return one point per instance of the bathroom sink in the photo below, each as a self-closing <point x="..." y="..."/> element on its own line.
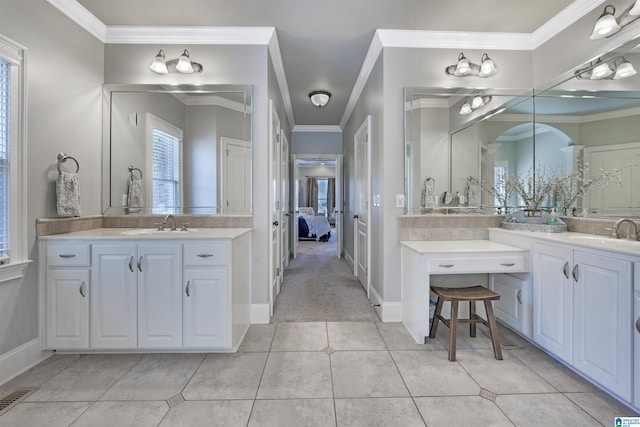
<point x="604" y="242"/>
<point x="155" y="232"/>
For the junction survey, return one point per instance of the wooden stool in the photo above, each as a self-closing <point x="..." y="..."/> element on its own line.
<point x="471" y="294"/>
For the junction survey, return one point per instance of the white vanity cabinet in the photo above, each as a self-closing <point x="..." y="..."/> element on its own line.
<point x="109" y="292"/>
<point x="136" y="302"/>
<point x="583" y="310"/>
<point x="514" y="307"/>
<point x="67" y="296"/>
<point x="636" y="334"/>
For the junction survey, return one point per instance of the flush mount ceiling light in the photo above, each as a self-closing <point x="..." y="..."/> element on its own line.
<point x="465" y="68"/>
<point x="319" y="98"/>
<point x="608" y="25"/>
<point x="182" y="65"/>
<point x="613" y="69"/>
<point x="478" y="101"/>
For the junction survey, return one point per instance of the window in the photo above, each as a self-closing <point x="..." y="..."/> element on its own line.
<point x="166" y="166"/>
<point x="323" y="185"/>
<point x="13" y="209"/>
<point x="500" y="174"/>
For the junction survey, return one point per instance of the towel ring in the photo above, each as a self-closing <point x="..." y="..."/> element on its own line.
<point x="132" y="170"/>
<point x="63" y="158"/>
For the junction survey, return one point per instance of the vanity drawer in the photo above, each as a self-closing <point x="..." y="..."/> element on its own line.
<point x="205" y="255"/>
<point x="504" y="264"/>
<point x="62" y="255"/>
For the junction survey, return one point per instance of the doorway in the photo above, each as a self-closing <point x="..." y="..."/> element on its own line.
<point x="317" y="201"/>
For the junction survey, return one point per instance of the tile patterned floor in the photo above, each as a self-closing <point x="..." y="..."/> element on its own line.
<point x="316" y="374"/>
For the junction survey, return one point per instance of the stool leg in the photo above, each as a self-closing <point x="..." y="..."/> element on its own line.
<point x="493" y="328"/>
<point x="472" y="315"/>
<point x="453" y="330"/>
<point x="434" y="325"/>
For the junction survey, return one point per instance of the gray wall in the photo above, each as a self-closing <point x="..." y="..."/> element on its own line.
<point x="64" y="75"/>
<point x="316" y="143"/>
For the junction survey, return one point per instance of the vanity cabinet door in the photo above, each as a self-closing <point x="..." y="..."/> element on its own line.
<point x="602" y="311"/>
<point x="114" y="305"/>
<point x="67" y="309"/>
<point x="513" y="304"/>
<point x="553" y="299"/>
<point x="636" y="335"/>
<point x="159" y="269"/>
<point x="206" y="302"/>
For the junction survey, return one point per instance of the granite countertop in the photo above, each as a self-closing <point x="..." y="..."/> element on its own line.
<point x="150" y="234"/>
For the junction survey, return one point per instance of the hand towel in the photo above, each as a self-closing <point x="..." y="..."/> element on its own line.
<point x="135" y="199"/>
<point x="68" y="194"/>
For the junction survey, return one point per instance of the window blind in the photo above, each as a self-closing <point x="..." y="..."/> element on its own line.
<point x="5" y="143"/>
<point x="166" y="172"/>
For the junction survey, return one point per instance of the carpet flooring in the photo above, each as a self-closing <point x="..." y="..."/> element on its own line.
<point x="318" y="286"/>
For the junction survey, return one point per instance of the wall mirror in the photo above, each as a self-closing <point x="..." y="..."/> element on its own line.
<point x="177" y="149"/>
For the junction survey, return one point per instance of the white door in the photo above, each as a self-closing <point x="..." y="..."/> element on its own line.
<point x="67" y="309"/>
<point x="114" y="305"/>
<point x="274" y="201"/>
<point x="361" y="210"/>
<point x="206" y="303"/>
<point x="296" y="203"/>
<point x="339" y="206"/>
<point x="159" y="296"/>
<point x="236" y="175"/>
<point x="286" y="206"/>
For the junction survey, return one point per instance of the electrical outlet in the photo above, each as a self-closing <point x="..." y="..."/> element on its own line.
<point x="399" y="200"/>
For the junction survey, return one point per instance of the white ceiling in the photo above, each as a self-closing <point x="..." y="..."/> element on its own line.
<point x="324" y="43"/>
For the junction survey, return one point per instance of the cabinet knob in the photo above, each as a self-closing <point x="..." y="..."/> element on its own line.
<point x="187" y="288"/>
<point x="131" y="264"/>
<point x="82" y="289"/>
<point x="638" y="325"/>
<point x="574" y="273"/>
<point x="519" y="296"/>
<point x="445" y="265"/>
<point x="140" y="263"/>
<point x="565" y="270"/>
<point x="205" y="255"/>
<point x="67" y="255"/>
<point x="507" y="264"/>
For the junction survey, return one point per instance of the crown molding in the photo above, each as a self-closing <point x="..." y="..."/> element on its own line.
<point x="563" y="19"/>
<point x="189" y="35"/>
<point x="427" y="39"/>
<point x="81" y="16"/>
<point x="276" y="58"/>
<point x="317" y="128"/>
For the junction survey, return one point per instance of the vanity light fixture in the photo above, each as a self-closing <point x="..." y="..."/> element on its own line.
<point x="182" y="65"/>
<point x="478" y="101"/>
<point x="616" y="69"/>
<point x="607" y="24"/>
<point x="465" y="68"/>
<point x="319" y="98"/>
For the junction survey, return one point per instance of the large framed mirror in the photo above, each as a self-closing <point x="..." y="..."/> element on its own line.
<point x="183" y="149"/>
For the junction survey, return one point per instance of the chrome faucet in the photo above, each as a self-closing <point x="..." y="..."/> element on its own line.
<point x="164" y="222"/>
<point x="632" y="236"/>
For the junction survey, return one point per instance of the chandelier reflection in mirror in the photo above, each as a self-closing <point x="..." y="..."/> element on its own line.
<point x="613" y="69"/>
<point x="464" y="67"/>
<point x="608" y="25"/>
<point x="182" y="65"/>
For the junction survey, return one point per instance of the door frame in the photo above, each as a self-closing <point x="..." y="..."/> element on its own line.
<point x="225" y="142"/>
<point x="339" y="198"/>
<point x="364" y="127"/>
<point x="274" y="211"/>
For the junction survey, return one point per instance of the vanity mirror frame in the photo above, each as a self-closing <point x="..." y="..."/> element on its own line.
<point x="237" y="98"/>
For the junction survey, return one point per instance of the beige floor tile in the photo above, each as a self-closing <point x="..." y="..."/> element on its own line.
<point x="354" y="336"/>
<point x="258" y="338"/>
<point x="86" y="379"/>
<point x="43" y="414"/>
<point x="293" y="412"/>
<point x="430" y="373"/>
<point x="396" y="337"/>
<point x="366" y="374"/>
<point x="461" y="411"/>
<point x="601" y="406"/>
<point x="300" y="336"/>
<point x="501" y="376"/>
<point x="226" y="376"/>
<point x="123" y="414"/>
<point x="216" y="413"/>
<point x="156" y="377"/>
<point x="296" y="375"/>
<point x="384" y="412"/>
<point x="549" y="410"/>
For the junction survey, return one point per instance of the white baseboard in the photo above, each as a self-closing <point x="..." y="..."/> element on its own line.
<point x="20" y="359"/>
<point x="260" y="314"/>
<point x="349" y="259"/>
<point x="387" y="311"/>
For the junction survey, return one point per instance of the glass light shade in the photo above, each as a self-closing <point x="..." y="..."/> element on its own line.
<point x="488" y="68"/>
<point x="601" y="71"/>
<point x="477" y="102"/>
<point x="623" y="70"/>
<point x="319" y="98"/>
<point x="159" y="65"/>
<point x="606" y="25"/>
<point x="184" y="63"/>
<point x="466" y="108"/>
<point x="463" y="67"/>
<point x="635" y="10"/>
